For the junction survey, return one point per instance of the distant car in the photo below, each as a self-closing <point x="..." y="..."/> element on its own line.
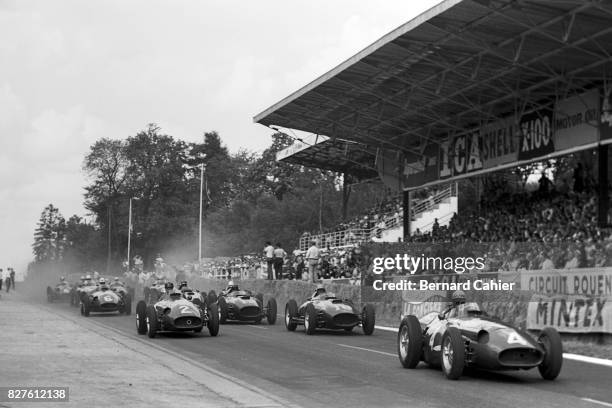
<point x="80" y="290"/>
<point x="105" y="300"/>
<point x="325" y="310"/>
<point x="241" y="305"/>
<point x="60" y="293"/>
<point x="153" y="292"/>
<point x="176" y="314"/>
<point x="466" y="337"/>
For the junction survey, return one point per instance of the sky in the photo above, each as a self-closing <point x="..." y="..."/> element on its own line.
<point x="74" y="71"/>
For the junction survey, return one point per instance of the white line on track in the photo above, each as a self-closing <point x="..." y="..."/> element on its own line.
<point x="605" y="404"/>
<point x="587" y="359"/>
<point x="257" y="327"/>
<point x="367" y="349"/>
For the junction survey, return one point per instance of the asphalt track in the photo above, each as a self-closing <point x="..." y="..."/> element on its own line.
<point x="333" y="369"/>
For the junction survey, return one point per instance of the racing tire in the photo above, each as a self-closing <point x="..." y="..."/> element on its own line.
<point x="152" y="323"/>
<point x="410" y="342"/>
<point x="310" y="319"/>
<point x="259" y="297"/>
<point x="368" y="319"/>
<point x="212" y="297"/>
<point x="222" y="313"/>
<point x="199" y="304"/>
<point x="213" y="320"/>
<point x="291" y="310"/>
<point x="85" y="307"/>
<point x="49" y="294"/>
<point x="271" y="311"/>
<point x="453" y="353"/>
<point x="550" y="340"/>
<point x="127" y="305"/>
<point x="141" y="317"/>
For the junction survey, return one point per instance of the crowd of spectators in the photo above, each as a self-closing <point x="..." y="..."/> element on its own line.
<point x="544" y="229"/>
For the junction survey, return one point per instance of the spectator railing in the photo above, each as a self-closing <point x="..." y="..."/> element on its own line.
<point x="430" y="202"/>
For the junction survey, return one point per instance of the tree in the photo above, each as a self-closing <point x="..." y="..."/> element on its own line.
<point x="49" y="236"/>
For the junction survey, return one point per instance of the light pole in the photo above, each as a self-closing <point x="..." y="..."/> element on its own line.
<point x="129" y="232"/>
<point x="201" y="194"/>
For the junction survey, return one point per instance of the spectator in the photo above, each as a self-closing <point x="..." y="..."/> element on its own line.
<point x="279" y="259"/>
<point x="269" y="255"/>
<point x="12" y="275"/>
<point x="312" y="257"/>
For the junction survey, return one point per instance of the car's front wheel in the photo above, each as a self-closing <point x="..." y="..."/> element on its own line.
<point x="453" y="353"/>
<point x="213" y="320"/>
<point x="368" y="319"/>
<point x="291" y="310"/>
<point x="222" y="305"/>
<point x="152" y="323"/>
<point x="550" y="340"/>
<point x="310" y="319"/>
<point x="271" y="311"/>
<point x="141" y="317"/>
<point x="410" y="342"/>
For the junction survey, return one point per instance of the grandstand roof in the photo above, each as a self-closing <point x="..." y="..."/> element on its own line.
<point x="338" y="155"/>
<point x="458" y="65"/>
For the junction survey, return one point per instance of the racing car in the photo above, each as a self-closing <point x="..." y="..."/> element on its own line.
<point x="464" y="336"/>
<point x="105" y="300"/>
<point x="325" y="310"/>
<point x="154" y="291"/>
<point x="84" y="287"/>
<point x="174" y="313"/>
<point x="61" y="291"/>
<point x="192" y="294"/>
<point x="241" y="305"/>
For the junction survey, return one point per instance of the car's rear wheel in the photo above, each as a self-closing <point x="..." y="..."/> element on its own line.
<point x="453" y="353"/>
<point x="222" y="306"/>
<point x="310" y="319"/>
<point x="212" y="297"/>
<point x="127" y="305"/>
<point x="291" y="310"/>
<point x="271" y="311"/>
<point x="141" y="317"/>
<point x="550" y="340"/>
<point x="368" y="319"/>
<point x="213" y="320"/>
<point x="152" y="323"/>
<point x="410" y="342"/>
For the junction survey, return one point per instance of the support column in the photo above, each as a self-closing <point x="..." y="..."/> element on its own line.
<point x="604" y="199"/>
<point x="406" y="213"/>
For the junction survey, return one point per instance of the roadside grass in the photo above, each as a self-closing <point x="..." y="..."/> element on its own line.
<point x="588" y="349"/>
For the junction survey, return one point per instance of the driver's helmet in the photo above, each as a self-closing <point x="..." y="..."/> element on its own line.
<point x="183" y="284"/>
<point x="82" y="278"/>
<point x="458" y="297"/>
<point x="470" y="308"/>
<point x="62" y="279"/>
<point x="320" y="290"/>
<point x="116" y="279"/>
<point x="231" y="286"/>
<point x="103" y="284"/>
<point x="169" y="286"/>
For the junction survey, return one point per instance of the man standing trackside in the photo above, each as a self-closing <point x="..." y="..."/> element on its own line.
<point x="279" y="260"/>
<point x="1" y="278"/>
<point x="269" y="254"/>
<point x="12" y="276"/>
<point x="312" y="258"/>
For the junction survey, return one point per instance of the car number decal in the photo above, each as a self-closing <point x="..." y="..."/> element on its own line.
<point x="185" y="309"/>
<point x="515" y="338"/>
<point x="108" y="298"/>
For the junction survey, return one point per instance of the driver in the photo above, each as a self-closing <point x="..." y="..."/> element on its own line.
<point x="320" y="292"/>
<point x="116" y="282"/>
<point x="231" y="287"/>
<point x="87" y="281"/>
<point x="184" y="287"/>
<point x="457" y="299"/>
<point x="169" y="286"/>
<point x="102" y="283"/>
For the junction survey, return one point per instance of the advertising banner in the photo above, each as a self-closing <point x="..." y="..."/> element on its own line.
<point x="576" y="120"/>
<point x="605" y="123"/>
<point x="536" y="135"/>
<point x="575" y="301"/>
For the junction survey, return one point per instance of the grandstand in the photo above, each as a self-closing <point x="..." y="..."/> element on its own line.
<point x="466" y="89"/>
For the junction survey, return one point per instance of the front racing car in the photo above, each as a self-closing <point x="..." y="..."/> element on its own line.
<point x="105" y="300"/>
<point x="176" y="314"/>
<point x="470" y="339"/>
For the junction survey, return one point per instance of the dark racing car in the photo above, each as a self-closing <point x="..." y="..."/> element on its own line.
<point x="463" y="336"/>
<point x="62" y="292"/>
<point x="105" y="300"/>
<point x="84" y="287"/>
<point x="154" y="291"/>
<point x="325" y="310"/>
<point x="174" y="313"/>
<point x="241" y="305"/>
